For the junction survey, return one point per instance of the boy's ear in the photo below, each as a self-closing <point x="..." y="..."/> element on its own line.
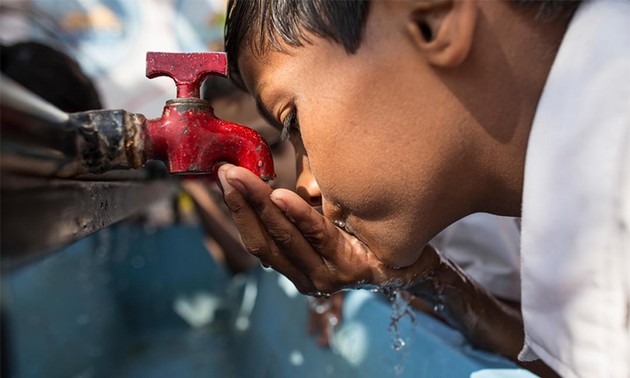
<point x="443" y="29"/>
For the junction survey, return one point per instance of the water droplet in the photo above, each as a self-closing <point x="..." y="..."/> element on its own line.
<point x="321" y="308"/>
<point x="296" y="358"/>
<point x="319" y="294"/>
<point x="370" y="287"/>
<point x="398" y="343"/>
<point x="438" y="307"/>
<point x="333" y="321"/>
<point x="339" y="223"/>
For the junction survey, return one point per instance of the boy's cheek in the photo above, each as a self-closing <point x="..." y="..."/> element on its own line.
<point x="392" y="242"/>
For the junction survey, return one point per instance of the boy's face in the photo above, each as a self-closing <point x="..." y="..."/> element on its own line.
<point x="384" y="136"/>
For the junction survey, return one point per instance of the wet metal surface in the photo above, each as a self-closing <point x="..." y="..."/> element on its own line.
<point x="39" y="215"/>
<point x="41" y="140"/>
<point x="108" y="139"/>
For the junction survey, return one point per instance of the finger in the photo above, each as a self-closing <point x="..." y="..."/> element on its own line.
<point x="253" y="231"/>
<point x="245" y="218"/>
<point x="326" y="238"/>
<point x="286" y="236"/>
<point x="348" y="261"/>
<point x="316" y="229"/>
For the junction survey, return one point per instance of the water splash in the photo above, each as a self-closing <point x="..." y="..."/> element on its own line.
<point x="400" y="310"/>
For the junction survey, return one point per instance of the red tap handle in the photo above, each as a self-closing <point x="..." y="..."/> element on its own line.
<point x="187" y="69"/>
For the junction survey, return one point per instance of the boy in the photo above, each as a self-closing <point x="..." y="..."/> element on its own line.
<point x="414" y="114"/>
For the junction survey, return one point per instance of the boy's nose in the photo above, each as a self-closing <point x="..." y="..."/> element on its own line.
<point x="306" y="186"/>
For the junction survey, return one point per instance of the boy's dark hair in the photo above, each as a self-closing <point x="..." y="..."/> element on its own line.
<point x="548" y="10"/>
<point x="217" y="87"/>
<point x="291" y="22"/>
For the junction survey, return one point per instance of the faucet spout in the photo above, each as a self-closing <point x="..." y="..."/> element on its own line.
<point x="191" y="140"/>
<point x="188" y="137"/>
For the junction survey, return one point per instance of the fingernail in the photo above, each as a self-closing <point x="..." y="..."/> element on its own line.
<point x="279" y="202"/>
<point x="227" y="183"/>
<point x="238" y="185"/>
<point x="219" y="181"/>
<point x="222" y="182"/>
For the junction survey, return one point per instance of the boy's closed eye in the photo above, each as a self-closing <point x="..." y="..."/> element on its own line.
<point x="290" y="125"/>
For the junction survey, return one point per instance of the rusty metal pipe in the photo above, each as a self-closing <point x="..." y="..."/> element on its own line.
<point x="39" y="139"/>
<point x="30" y="119"/>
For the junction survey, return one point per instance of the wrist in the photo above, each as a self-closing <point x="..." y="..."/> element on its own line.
<point x="470" y="308"/>
<point x="434" y="275"/>
<point x="449" y="291"/>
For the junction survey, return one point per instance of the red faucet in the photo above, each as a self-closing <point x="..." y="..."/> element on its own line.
<point x="188" y="137"/>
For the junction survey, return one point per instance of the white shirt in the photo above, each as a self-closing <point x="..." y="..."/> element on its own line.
<point x="486" y="247"/>
<point x="575" y="238"/>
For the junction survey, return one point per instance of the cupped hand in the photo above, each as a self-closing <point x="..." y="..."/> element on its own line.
<point x="287" y="234"/>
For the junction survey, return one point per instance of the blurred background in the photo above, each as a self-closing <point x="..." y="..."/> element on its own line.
<point x="122" y="275"/>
